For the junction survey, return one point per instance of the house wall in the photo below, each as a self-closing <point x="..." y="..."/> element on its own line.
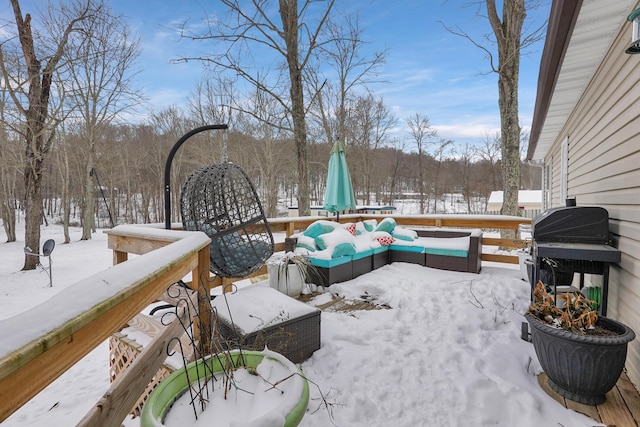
<point x="553" y="158"/>
<point x="604" y="170"/>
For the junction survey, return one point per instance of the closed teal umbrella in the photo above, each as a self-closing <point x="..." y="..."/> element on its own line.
<point x="338" y="195"/>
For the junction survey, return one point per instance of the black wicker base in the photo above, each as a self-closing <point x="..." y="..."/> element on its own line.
<point x="291" y="329"/>
<point x="361" y="266"/>
<point x="295" y="339"/>
<point x="323" y="276"/>
<point x="380" y="259"/>
<point x="406" y="256"/>
<point x="444" y="262"/>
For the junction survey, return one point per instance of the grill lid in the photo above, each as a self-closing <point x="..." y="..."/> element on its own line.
<point x="572" y="224"/>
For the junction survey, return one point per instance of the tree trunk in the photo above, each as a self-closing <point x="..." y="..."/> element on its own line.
<point x="8" y="215"/>
<point x="65" y="200"/>
<point x="289" y="15"/>
<point x="66" y="212"/>
<point x="33" y="210"/>
<point x="421" y="187"/>
<point x="7" y="197"/>
<point x="510" y="129"/>
<point x="37" y="120"/>
<point x="89" y="200"/>
<point x="508" y="33"/>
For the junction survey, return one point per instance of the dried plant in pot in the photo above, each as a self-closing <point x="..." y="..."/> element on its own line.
<point x="289" y="273"/>
<point x="583" y="354"/>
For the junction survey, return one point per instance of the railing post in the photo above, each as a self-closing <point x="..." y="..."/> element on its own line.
<point x="290" y="228"/>
<point x="119" y="257"/>
<point x="201" y="284"/>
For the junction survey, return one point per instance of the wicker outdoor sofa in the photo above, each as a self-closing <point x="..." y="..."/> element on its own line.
<point x="340" y="252"/>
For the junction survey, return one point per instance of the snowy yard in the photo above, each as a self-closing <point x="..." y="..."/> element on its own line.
<point x="448" y="351"/>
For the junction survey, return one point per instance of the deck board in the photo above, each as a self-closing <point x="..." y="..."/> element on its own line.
<point x="621" y="409"/>
<point x="630" y="396"/>
<point x="614" y="411"/>
<point x="341" y="304"/>
<point x="588" y="410"/>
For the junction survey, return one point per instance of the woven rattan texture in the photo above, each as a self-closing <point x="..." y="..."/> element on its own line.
<point x="220" y="200"/>
<point x="296" y="338"/>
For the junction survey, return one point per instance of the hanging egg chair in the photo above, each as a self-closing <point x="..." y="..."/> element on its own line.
<point x="220" y="200"/>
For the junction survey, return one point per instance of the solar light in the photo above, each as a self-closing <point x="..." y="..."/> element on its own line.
<point x="634" y="47"/>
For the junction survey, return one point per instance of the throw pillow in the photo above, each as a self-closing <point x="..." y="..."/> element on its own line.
<point x="385" y="241"/>
<point x="387" y="224"/>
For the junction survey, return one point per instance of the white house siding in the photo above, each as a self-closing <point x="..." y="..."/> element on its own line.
<point x="604" y="170"/>
<point x="556" y="176"/>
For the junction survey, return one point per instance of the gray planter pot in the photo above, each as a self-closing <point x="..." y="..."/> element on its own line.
<point x="582" y="368"/>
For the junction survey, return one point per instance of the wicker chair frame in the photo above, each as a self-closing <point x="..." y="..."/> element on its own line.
<point x="220" y="200"/>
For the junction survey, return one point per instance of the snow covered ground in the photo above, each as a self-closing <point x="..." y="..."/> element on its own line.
<point x="448" y="352"/>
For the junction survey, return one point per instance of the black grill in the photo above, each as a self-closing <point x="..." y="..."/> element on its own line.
<point x="572" y="239"/>
<point x="572" y="224"/>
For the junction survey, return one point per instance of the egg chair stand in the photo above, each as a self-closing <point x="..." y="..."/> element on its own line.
<point x="220" y="201"/>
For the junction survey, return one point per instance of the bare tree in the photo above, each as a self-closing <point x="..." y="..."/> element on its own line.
<point x="164" y="128"/>
<point x="511" y="41"/>
<point x="465" y="158"/>
<point x="439" y="156"/>
<point x="100" y="90"/>
<point x="268" y="156"/>
<point x="31" y="93"/>
<point x="63" y="166"/>
<point x="10" y="161"/>
<point x="210" y="100"/>
<point x="508" y="32"/>
<point x="400" y="146"/>
<point x="250" y="30"/>
<point x="489" y="150"/>
<point x="421" y="131"/>
<point x="9" y="173"/>
<point x="369" y="121"/>
<point x="344" y="53"/>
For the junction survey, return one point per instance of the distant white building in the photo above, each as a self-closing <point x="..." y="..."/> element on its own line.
<point x="377" y="210"/>
<point x="315" y="211"/>
<point x="367" y="210"/>
<point x="528" y="200"/>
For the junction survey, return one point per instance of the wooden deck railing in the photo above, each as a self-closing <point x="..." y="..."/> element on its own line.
<point x="104" y="302"/>
<point x="85" y="314"/>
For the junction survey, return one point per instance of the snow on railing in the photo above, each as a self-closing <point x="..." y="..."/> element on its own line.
<point x="40" y="344"/>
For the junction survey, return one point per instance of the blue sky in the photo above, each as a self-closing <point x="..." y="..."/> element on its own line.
<point x="429" y="70"/>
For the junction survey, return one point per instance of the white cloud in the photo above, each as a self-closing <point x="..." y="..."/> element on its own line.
<point x="464" y="130"/>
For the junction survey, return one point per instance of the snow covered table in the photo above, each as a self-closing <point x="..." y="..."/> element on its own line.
<point x="259" y="316"/>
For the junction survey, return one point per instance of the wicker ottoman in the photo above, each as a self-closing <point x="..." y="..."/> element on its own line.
<point x="260" y="316"/>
